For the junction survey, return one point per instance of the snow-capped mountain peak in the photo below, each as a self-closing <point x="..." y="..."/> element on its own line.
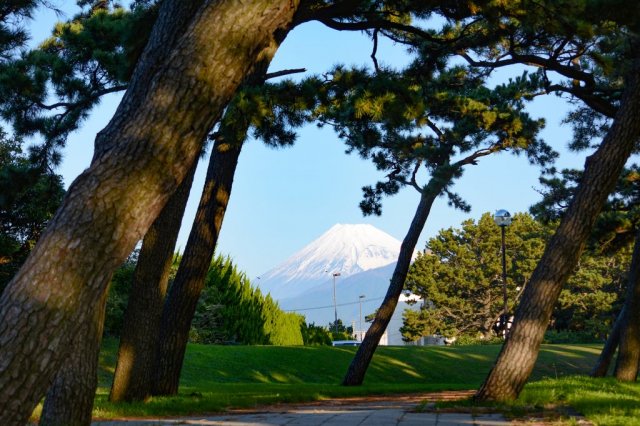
<point x="343" y="249"/>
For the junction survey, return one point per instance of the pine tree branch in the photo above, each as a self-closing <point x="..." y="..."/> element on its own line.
<point x="314" y="10"/>
<point x="435" y="129"/>
<point x="471" y="159"/>
<point x="595" y="102"/>
<point x="375" y="50"/>
<point x="533" y="60"/>
<point x="97" y="94"/>
<point x="381" y="24"/>
<point x="284" y="72"/>
<point x="414" y="181"/>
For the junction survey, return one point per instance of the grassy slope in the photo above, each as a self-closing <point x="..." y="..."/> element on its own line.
<point x="218" y="377"/>
<point x="602" y="401"/>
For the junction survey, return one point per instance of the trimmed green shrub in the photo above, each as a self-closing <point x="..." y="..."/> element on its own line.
<point x="569" y="336"/>
<point x="231" y="311"/>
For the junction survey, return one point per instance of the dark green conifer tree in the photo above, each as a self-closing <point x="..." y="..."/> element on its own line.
<point x="459" y="277"/>
<point x="231" y="311"/>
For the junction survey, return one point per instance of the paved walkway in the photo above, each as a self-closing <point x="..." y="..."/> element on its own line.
<point x="339" y="412"/>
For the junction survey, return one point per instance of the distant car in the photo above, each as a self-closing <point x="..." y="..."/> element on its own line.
<point x="345" y="343"/>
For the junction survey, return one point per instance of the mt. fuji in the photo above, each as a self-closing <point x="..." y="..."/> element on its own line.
<point x="343" y="249"/>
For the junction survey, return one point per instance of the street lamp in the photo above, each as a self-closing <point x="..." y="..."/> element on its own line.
<point x="335" y="306"/>
<point x="361" y="329"/>
<point x="502" y="218"/>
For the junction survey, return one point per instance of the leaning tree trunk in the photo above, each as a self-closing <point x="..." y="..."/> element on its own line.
<point x="360" y="363"/>
<point x="183" y="296"/>
<point x="139" y="337"/>
<point x="177" y="92"/>
<point x="69" y="401"/>
<point x="182" y="300"/>
<point x="602" y="169"/>
<point x="629" y="351"/>
<point x="603" y="362"/>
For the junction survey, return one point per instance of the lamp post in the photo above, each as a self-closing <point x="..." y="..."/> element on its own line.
<point x="361" y="329"/>
<point x="502" y="218"/>
<point x="335" y="306"/>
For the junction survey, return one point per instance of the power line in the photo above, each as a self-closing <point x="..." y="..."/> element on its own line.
<point x="331" y="306"/>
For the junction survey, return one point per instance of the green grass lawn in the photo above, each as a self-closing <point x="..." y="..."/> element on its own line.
<point x="602" y="401"/>
<point x="218" y="377"/>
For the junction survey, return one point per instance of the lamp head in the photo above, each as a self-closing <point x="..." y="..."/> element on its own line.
<point x="502" y="218"/>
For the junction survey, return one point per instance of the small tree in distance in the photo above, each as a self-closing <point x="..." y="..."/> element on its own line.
<point x="315" y="335"/>
<point x="339" y="331"/>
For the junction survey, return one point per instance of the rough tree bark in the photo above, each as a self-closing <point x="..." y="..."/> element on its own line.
<point x="629" y="351"/>
<point x="185" y="291"/>
<point x="603" y="362"/>
<point x="139" y="337"/>
<point x="177" y="92"/>
<point x="144" y="341"/>
<point x="182" y="300"/>
<point x="602" y="169"/>
<point x="362" y="359"/>
<point x="77" y="379"/>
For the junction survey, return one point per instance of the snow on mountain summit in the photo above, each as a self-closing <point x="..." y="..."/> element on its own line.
<point x="344" y="249"/>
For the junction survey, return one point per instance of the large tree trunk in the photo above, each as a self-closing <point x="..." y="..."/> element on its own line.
<point x="139" y="337"/>
<point x="177" y="92"/>
<point x="182" y="300"/>
<point x="69" y="401"/>
<point x="185" y="291"/>
<point x="360" y="363"/>
<point x="602" y="169"/>
<point x="629" y="351"/>
<point x="603" y="362"/>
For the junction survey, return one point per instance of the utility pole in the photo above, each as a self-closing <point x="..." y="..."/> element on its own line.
<point x="335" y="305"/>
<point x="361" y="329"/>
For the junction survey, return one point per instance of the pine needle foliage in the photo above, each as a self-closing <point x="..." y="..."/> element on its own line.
<point x="619" y="221"/>
<point x="429" y="118"/>
<point x="29" y="197"/>
<point x="50" y="90"/>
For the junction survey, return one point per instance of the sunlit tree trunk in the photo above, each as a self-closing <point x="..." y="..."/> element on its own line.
<point x="629" y="351"/>
<point x="520" y="351"/>
<point x="182" y="300"/>
<point x="69" y="401"/>
<point x="603" y="362"/>
<point x="139" y="337"/>
<point x="185" y="291"/>
<point x="360" y="363"/>
<point x="177" y="92"/>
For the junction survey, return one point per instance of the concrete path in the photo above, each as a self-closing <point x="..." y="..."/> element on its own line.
<point x="316" y="417"/>
<point x="340" y="412"/>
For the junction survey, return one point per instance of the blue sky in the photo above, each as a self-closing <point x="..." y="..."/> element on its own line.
<point x="283" y="199"/>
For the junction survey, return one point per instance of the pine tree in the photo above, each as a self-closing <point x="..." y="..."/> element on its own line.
<point x="131" y="177"/>
<point x="430" y="118"/>
<point x="590" y="47"/>
<point x="614" y="230"/>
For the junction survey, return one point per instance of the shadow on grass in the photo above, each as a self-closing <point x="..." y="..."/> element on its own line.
<point x="215" y="378"/>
